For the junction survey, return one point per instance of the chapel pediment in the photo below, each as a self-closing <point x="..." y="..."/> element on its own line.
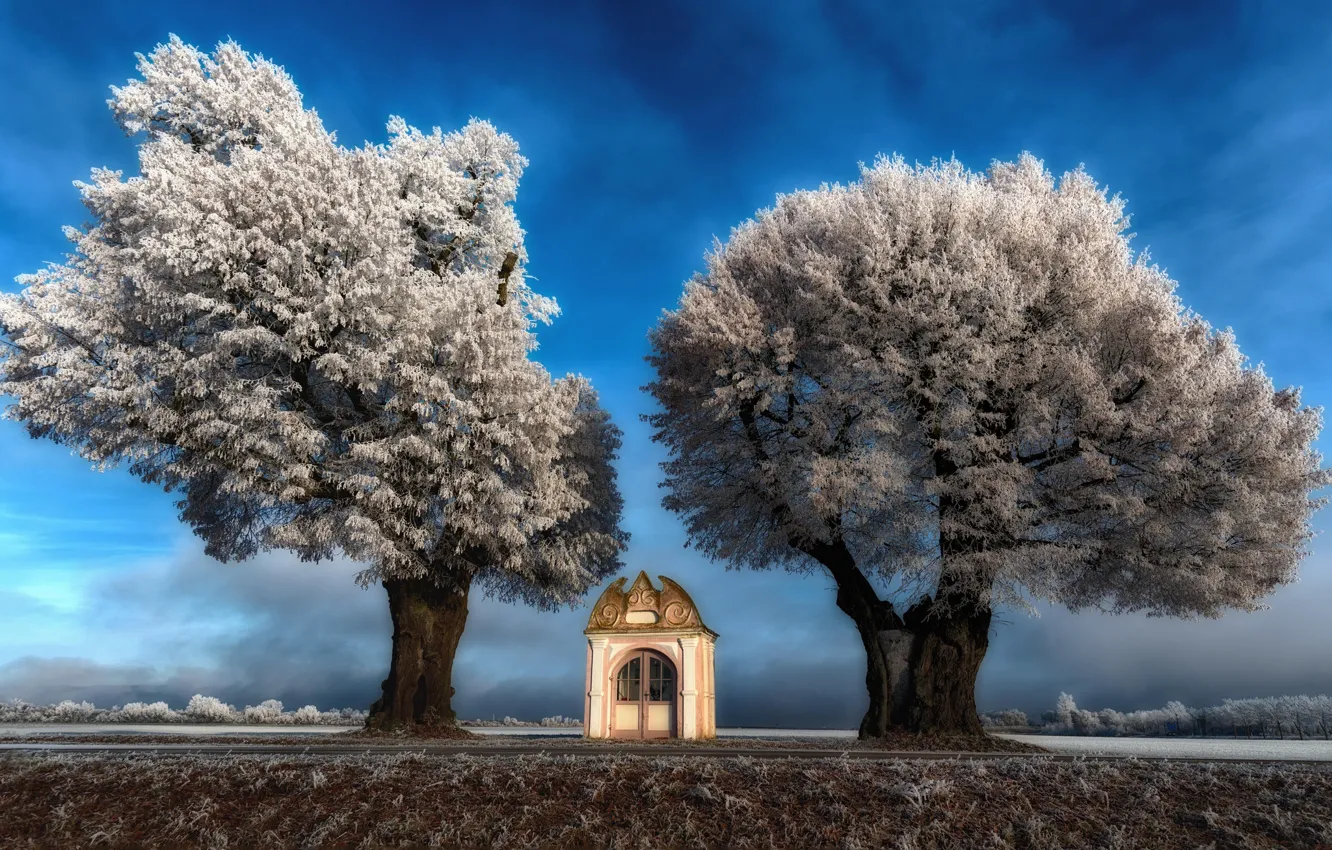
<point x="644" y="607"/>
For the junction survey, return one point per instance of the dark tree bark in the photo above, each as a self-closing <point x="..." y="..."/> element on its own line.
<point x="920" y="667"/>
<point x="945" y="657"/>
<point x="428" y="621"/>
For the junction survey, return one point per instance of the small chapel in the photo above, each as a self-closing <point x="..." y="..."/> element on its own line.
<point x="649" y="664"/>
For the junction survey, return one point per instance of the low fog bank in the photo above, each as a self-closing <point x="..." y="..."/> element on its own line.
<point x="275" y="628"/>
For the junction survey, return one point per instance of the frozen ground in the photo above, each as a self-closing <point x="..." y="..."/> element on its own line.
<point x="613" y="800"/>
<point x="1182" y="747"/>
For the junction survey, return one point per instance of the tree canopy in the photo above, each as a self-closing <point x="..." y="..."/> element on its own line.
<point x="939" y="371"/>
<point x="325" y="349"/>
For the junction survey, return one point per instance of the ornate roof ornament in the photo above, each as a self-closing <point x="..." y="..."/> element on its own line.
<point x="644" y="608"/>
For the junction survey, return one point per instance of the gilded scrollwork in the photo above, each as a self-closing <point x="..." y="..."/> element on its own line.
<point x="676" y="614"/>
<point x="673" y="607"/>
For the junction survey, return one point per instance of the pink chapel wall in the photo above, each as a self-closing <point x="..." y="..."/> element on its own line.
<point x="666" y="621"/>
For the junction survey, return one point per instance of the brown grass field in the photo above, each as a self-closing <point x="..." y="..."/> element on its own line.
<point x="622" y="801"/>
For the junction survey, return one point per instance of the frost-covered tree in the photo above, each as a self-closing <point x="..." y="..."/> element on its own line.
<point x="268" y="711"/>
<point x="1299" y="710"/>
<point x="205" y="709"/>
<point x="325" y="350"/>
<point x="1322" y="715"/>
<point x="1272" y="710"/>
<point x="1179" y="714"/>
<point x="1113" y="720"/>
<point x="1064" y="708"/>
<point x="1242" y="712"/>
<point x="950" y="390"/>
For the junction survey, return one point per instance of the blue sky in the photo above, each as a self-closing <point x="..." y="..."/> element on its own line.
<point x="650" y="128"/>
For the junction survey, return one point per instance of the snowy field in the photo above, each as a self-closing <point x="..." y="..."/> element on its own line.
<point x="1160" y="747"/>
<point x="1182" y="747"/>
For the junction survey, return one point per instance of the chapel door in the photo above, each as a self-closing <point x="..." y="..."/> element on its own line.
<point x="644" y="697"/>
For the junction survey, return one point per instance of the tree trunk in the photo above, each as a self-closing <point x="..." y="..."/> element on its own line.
<point x="921" y="668"/>
<point x="946" y="655"/>
<point x="428" y="621"/>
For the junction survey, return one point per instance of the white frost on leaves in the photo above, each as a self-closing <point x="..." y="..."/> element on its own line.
<point x="305" y="339"/>
<point x="934" y="353"/>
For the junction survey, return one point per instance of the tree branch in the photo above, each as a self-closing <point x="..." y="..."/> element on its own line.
<point x="1052" y="456"/>
<point x="1127" y="397"/>
<point x="506" y="269"/>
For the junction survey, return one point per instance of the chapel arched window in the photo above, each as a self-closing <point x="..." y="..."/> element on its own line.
<point x="627" y="684"/>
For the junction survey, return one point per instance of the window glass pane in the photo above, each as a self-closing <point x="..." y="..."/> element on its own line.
<point x="654" y="668"/>
<point x="627" y="682"/>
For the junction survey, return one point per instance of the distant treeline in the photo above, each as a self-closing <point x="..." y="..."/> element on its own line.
<point x="201" y="709"/>
<point x="204" y="709"/>
<point x="1263" y="717"/>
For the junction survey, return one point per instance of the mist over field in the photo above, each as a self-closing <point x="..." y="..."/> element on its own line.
<point x="275" y="628"/>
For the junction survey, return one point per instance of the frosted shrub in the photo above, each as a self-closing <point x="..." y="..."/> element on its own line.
<point x="204" y="709"/>
<point x="1085" y="722"/>
<point x="268" y="711"/>
<point x="15" y="711"/>
<point x="1007" y="717"/>
<point x="73" y="712"/>
<point x="1013" y="717"/>
<point x="138" y="712"/>
<point x="307" y="714"/>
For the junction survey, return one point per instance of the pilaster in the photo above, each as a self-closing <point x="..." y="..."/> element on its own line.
<point x="689" y="686"/>
<point x="596" y="724"/>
